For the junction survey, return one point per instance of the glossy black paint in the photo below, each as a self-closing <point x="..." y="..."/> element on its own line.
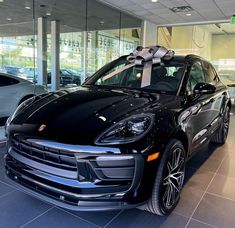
<point x="77" y="117"/>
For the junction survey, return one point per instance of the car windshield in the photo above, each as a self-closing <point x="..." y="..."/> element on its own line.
<point x="164" y="78"/>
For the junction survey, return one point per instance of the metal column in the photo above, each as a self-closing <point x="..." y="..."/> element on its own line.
<point x="149" y="34"/>
<point x="55" y="55"/>
<point x="84" y="75"/>
<point x="42" y="51"/>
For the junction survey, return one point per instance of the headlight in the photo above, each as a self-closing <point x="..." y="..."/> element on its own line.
<point x="126" y="131"/>
<point x="21" y="107"/>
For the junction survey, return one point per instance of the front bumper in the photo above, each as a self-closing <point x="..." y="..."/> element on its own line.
<point x="83" y="178"/>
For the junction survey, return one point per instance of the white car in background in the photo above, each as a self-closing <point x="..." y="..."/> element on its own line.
<point x="15" y="90"/>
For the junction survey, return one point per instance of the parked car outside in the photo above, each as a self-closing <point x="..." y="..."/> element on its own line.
<point x="69" y="72"/>
<point x="65" y="78"/>
<point x="123" y="138"/>
<point x="16" y="71"/>
<point x="31" y="74"/>
<point x="14" y="91"/>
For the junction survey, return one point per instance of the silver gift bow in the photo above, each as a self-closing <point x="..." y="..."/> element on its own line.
<point x="147" y="57"/>
<point x="155" y="54"/>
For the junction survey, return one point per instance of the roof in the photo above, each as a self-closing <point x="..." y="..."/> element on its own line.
<point x="178" y="58"/>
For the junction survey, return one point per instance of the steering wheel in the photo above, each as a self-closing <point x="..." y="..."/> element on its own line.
<point x="165" y="86"/>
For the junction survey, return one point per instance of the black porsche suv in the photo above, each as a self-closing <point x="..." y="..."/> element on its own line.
<point x="122" y="139"/>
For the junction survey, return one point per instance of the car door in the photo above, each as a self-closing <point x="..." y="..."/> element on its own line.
<point x="8" y="95"/>
<point x="218" y="98"/>
<point x="200" y="108"/>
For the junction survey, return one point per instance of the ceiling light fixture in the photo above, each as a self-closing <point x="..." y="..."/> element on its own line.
<point x="8" y="18"/>
<point x="154" y="0"/>
<point x="48" y="10"/>
<point x="1" y="0"/>
<point x="27" y="5"/>
<point x="181" y="9"/>
<point x="188" y="14"/>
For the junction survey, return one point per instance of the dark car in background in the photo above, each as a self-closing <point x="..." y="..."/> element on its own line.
<point x="67" y="77"/>
<point x="122" y="139"/>
<point x="68" y="72"/>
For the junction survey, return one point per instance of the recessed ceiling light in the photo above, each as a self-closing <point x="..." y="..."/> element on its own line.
<point x="101" y="22"/>
<point x="1" y="0"/>
<point x="154" y="0"/>
<point x="48" y="13"/>
<point x="27" y="5"/>
<point x="8" y="18"/>
<point x="188" y="14"/>
<point x="181" y="9"/>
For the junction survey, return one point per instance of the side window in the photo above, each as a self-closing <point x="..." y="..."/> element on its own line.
<point x="196" y="75"/>
<point x="6" y="81"/>
<point x="210" y="74"/>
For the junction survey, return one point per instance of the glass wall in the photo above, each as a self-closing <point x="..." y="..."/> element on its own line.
<point x="91" y="34"/>
<point x="214" y="42"/>
<point x="17" y="39"/>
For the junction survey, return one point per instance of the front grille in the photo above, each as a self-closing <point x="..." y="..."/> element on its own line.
<point x="45" y="155"/>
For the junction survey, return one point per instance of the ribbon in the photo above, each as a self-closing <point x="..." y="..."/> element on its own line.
<point x="146" y="57"/>
<point x="154" y="53"/>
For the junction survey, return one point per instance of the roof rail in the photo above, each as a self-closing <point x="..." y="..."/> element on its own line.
<point x="193" y="55"/>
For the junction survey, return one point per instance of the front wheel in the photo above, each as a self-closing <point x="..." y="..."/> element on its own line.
<point x="169" y="179"/>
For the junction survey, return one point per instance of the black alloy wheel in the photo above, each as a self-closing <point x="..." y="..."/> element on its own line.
<point x="226" y="121"/>
<point x="173" y="178"/>
<point x="221" y="134"/>
<point x="169" y="179"/>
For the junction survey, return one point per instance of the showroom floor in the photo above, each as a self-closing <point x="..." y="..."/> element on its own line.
<point x="208" y="199"/>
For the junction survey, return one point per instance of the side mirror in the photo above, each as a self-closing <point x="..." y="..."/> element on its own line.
<point x="204" y="88"/>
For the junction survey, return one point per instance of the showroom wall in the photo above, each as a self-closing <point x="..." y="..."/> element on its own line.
<point x="214" y="42"/>
<point x="91" y="34"/>
<point x="223" y="46"/>
<point x="186" y="40"/>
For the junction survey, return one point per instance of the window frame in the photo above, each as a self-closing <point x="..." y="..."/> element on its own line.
<point x="10" y="79"/>
<point x="189" y="74"/>
<point x="207" y="76"/>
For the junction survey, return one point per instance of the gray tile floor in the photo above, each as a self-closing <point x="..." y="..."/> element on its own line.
<point x="208" y="199"/>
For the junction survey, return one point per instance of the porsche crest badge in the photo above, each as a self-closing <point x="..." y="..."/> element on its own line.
<point x="42" y="127"/>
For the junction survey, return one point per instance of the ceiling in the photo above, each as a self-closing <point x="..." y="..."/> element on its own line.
<point x="80" y="15"/>
<point x="74" y="16"/>
<point x="160" y="12"/>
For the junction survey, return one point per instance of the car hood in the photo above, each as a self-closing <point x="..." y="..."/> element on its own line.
<point x="80" y="115"/>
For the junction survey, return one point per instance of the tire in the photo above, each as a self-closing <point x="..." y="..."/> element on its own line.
<point x="163" y="200"/>
<point x="221" y="133"/>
